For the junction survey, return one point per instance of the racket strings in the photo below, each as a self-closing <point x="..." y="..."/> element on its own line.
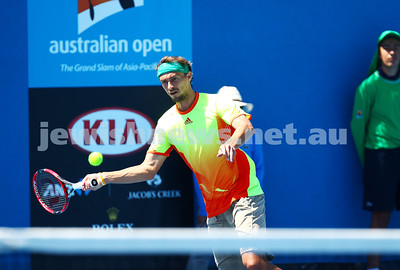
<point x="51" y="192"/>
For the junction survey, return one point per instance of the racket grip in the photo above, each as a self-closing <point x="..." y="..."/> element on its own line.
<point x="78" y="185"/>
<point x="94" y="183"/>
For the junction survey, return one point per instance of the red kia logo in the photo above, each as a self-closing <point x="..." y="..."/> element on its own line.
<point x="111" y="131"/>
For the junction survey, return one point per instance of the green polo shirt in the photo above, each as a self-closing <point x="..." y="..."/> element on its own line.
<point x="375" y="122"/>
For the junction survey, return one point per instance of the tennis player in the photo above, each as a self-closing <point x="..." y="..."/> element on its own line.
<point x="376" y="131"/>
<point x="254" y="151"/>
<point x="207" y="132"/>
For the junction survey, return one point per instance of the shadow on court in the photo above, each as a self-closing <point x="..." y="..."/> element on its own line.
<point x="388" y="265"/>
<point x="23" y="261"/>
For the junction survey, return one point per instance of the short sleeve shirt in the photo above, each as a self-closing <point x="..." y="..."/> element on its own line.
<point x="196" y="134"/>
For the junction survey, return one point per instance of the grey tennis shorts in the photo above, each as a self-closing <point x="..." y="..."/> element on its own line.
<point x="246" y="216"/>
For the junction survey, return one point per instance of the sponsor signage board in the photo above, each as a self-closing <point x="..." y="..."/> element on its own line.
<point x="104" y="42"/>
<point x="123" y="133"/>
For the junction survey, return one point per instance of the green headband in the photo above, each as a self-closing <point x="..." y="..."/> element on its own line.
<point x="171" y="67"/>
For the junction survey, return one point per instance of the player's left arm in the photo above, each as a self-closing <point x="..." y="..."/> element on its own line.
<point x="243" y="131"/>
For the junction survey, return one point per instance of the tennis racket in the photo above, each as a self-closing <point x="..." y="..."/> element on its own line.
<point x="54" y="192"/>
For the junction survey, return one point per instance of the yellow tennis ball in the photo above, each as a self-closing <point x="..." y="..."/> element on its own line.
<point x="95" y="158"/>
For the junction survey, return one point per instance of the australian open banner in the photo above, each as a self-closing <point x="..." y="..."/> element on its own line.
<point x="93" y="87"/>
<point x="104" y="42"/>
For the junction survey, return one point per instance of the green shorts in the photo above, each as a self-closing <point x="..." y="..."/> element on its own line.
<point x="246" y="216"/>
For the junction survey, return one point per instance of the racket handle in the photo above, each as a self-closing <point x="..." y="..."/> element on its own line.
<point x="78" y="185"/>
<point x="93" y="183"/>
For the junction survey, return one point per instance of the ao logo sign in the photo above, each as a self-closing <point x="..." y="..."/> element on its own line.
<point x="111" y="131"/>
<point x="93" y="11"/>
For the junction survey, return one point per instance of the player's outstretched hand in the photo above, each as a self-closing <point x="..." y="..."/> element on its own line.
<point x="228" y="151"/>
<point x="87" y="182"/>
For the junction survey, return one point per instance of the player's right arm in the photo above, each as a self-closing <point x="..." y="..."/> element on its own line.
<point x="145" y="171"/>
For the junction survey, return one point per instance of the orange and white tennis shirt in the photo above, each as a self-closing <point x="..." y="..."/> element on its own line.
<point x="196" y="134"/>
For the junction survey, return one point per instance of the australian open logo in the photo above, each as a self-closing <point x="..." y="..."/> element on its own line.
<point x="91" y="12"/>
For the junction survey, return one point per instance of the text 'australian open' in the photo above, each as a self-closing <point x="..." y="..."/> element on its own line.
<point x="105" y="45"/>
